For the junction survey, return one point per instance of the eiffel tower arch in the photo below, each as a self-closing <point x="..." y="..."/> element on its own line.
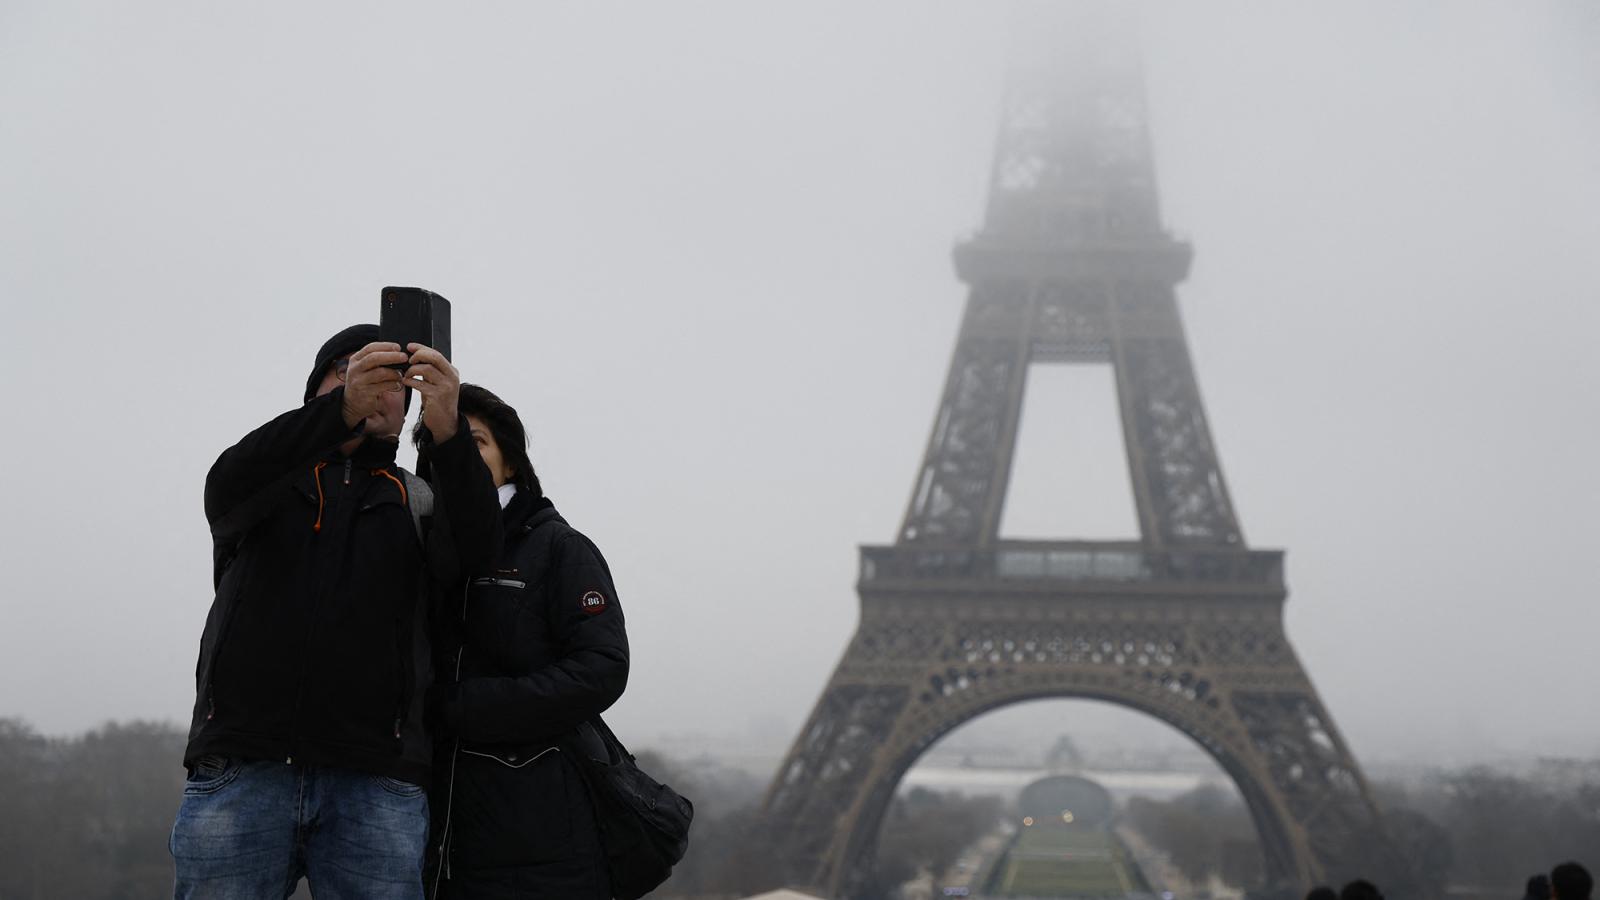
<point x="1073" y="266"/>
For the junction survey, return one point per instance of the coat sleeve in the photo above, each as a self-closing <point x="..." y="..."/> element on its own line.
<point x="466" y="532"/>
<point x="586" y="620"/>
<point x="237" y="487"/>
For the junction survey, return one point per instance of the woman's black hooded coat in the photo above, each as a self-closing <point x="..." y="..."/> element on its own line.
<point x="533" y="651"/>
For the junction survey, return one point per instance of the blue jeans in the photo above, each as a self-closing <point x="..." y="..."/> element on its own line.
<point x="249" y="830"/>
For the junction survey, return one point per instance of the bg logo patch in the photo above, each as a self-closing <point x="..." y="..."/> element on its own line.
<point x="593" y="603"/>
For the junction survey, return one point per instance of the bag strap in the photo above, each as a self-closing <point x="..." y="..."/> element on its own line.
<point x="609" y="737"/>
<point x="419" y="496"/>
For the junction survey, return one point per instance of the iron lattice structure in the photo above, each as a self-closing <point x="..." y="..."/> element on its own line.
<point x="1073" y="265"/>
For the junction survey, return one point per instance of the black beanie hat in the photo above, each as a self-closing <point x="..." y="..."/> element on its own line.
<point x="342" y="344"/>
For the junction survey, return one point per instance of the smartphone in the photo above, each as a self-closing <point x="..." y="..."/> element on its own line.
<point x="414" y="315"/>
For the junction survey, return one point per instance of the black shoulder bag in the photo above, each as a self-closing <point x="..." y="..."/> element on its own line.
<point x="644" y="825"/>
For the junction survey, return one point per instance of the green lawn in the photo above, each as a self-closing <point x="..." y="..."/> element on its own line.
<point x="1047" y="860"/>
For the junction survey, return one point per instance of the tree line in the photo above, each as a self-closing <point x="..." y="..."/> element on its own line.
<point x="1474" y="831"/>
<point x="88" y="817"/>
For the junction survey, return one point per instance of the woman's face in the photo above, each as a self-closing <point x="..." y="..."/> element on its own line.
<point x="490" y="451"/>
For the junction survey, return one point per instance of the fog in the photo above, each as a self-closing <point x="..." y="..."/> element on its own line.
<point x="704" y="248"/>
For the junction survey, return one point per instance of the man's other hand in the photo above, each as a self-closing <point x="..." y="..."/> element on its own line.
<point x="440" y="386"/>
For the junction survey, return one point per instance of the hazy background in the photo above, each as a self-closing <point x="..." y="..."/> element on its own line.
<point x="704" y="248"/>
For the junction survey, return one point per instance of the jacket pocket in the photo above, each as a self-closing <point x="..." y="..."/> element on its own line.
<point x="208" y="682"/>
<point x="211" y="773"/>
<point x="395" y="517"/>
<point x="516" y="583"/>
<point x="512" y="808"/>
<point x="495" y="632"/>
<point x="397" y="787"/>
<point x="232" y="590"/>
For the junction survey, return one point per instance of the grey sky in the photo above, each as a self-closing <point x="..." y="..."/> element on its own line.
<point x="704" y="248"/>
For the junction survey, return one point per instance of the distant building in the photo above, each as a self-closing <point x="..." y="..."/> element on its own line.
<point x="1065" y="800"/>
<point x="1064" y="846"/>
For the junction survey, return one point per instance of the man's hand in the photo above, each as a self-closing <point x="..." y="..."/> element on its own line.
<point x="368" y="378"/>
<point x="440" y="386"/>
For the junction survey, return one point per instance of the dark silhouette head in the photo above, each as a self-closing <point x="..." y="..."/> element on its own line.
<point x="1570" y="881"/>
<point x="1538" y="888"/>
<point x="1360" y="889"/>
<point x="1322" y="892"/>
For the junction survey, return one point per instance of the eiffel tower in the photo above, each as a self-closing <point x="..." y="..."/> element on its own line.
<point x="1073" y="266"/>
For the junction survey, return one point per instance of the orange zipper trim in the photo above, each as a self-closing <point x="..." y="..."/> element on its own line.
<point x="316" y="475"/>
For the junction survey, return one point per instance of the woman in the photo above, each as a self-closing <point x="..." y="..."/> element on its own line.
<point x="530" y="653"/>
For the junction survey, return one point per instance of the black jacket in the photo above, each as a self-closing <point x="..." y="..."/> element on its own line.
<point x="542" y="649"/>
<point x="317" y="647"/>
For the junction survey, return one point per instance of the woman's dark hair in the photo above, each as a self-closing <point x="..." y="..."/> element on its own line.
<point x="504" y="424"/>
<point x="1360" y="889"/>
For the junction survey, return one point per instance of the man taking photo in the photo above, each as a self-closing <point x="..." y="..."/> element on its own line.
<point x="307" y="755"/>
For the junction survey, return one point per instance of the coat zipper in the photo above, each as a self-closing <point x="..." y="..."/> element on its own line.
<point x="455" y="753"/>
<point x="300" y="690"/>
